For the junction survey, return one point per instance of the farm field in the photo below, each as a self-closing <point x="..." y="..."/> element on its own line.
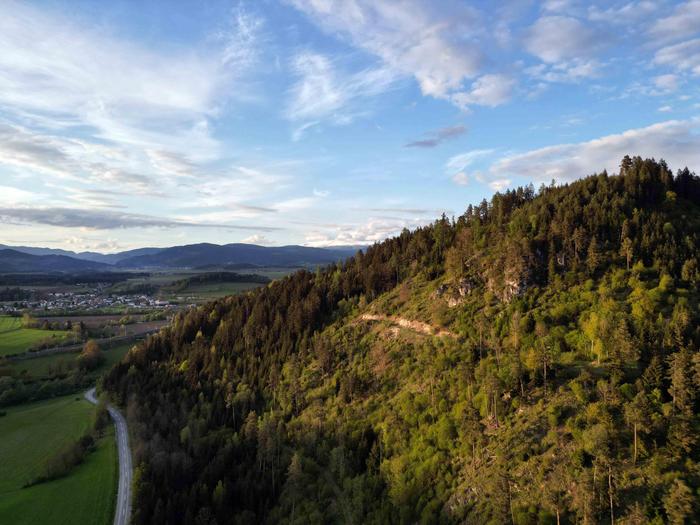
<point x="42" y="367"/>
<point x="31" y="434"/>
<point x="91" y="321"/>
<point x="14" y="339"/>
<point x="163" y="282"/>
<point x="208" y="292"/>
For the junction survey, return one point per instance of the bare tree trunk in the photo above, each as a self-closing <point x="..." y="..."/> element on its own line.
<point x="481" y="339"/>
<point x="635" y="443"/>
<point x="510" y="504"/>
<point x="545" y="377"/>
<point x="495" y="407"/>
<point x="610" y="494"/>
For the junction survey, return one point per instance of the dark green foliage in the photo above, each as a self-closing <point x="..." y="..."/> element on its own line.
<point x="219" y="277"/>
<point x="561" y="387"/>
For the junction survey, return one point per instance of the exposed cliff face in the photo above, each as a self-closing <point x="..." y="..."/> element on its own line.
<point x="456" y="293"/>
<point x="410" y="324"/>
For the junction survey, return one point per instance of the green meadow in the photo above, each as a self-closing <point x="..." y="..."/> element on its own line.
<point x="15" y="339"/>
<point x="31" y="434"/>
<point x="52" y="365"/>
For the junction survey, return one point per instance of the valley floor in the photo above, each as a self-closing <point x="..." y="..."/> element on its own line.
<point x="31" y="434"/>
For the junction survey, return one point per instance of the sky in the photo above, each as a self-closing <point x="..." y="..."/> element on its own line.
<point x="126" y="124"/>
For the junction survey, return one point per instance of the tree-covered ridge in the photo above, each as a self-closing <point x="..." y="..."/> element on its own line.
<point x="564" y="390"/>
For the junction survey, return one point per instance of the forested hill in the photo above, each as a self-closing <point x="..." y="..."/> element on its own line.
<point x="534" y="361"/>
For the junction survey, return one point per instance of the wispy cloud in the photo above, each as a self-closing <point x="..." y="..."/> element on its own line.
<point x="487" y="90"/>
<point x="373" y="230"/>
<point x="408" y="211"/>
<point x="561" y="38"/>
<point x="676" y="141"/>
<point x="682" y="22"/>
<point x="67" y="158"/>
<point x="437" y="137"/>
<point x="666" y="83"/>
<point x="67" y="76"/>
<point x="682" y="57"/>
<point x="322" y="91"/>
<point x="460" y="162"/>
<point x="103" y="219"/>
<point x="460" y="178"/>
<point x="436" y="44"/>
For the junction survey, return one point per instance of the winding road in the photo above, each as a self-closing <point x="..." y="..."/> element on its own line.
<point x="123" y="511"/>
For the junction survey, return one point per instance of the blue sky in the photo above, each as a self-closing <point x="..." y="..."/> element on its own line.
<point x="321" y="122"/>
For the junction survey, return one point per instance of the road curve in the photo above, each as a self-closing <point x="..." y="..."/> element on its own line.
<point x="122" y="512"/>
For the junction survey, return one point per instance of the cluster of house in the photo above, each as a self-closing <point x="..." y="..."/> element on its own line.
<point x="62" y="301"/>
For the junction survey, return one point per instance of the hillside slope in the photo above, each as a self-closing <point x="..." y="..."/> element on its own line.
<point x="12" y="261"/>
<point x="110" y="258"/>
<point x="197" y="255"/>
<point x="535" y="361"/>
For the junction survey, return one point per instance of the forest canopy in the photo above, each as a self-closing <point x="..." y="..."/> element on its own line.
<point x="534" y="360"/>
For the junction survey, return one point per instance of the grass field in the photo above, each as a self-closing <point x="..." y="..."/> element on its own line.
<point x="41" y="367"/>
<point x="201" y="292"/>
<point x="14" y="339"/>
<point x="30" y="435"/>
<point x="210" y="291"/>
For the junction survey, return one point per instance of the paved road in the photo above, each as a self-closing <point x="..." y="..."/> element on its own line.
<point x="123" y="510"/>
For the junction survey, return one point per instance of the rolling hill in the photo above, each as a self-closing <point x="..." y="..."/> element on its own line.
<point x="197" y="255"/>
<point x="13" y="261"/>
<point x="535" y="361"/>
<point x="109" y="258"/>
<point x="28" y="259"/>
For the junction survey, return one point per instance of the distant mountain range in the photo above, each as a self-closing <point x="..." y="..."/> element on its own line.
<point x="16" y="259"/>
<point x="13" y="261"/>
<point x="106" y="258"/>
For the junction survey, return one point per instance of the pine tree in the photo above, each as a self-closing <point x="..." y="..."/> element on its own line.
<point x="678" y="503"/>
<point x="637" y="416"/>
<point x="593" y="259"/>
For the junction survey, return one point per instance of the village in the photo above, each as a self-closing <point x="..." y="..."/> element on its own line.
<point x="83" y="301"/>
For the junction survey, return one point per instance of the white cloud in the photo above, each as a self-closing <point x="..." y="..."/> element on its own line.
<point x="683" y="22"/>
<point x="488" y="90"/>
<point x="559" y="38"/>
<point x="374" y="230"/>
<point x="666" y="83"/>
<point x="258" y="239"/>
<point x="296" y="204"/>
<point x="460" y="162"/>
<point x="572" y="71"/>
<point x="557" y="6"/>
<point x="499" y="184"/>
<point x="321" y="91"/>
<point x="238" y="183"/>
<point x="95" y="219"/>
<point x="11" y="195"/>
<point x="684" y="56"/>
<point x="624" y="14"/>
<point x="298" y="132"/>
<point x="457" y="165"/>
<point x="676" y="141"/>
<point x="665" y="109"/>
<point x="460" y="178"/>
<point x="434" y="43"/>
<point x="59" y="73"/>
<point x="171" y="163"/>
<point x="68" y="159"/>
